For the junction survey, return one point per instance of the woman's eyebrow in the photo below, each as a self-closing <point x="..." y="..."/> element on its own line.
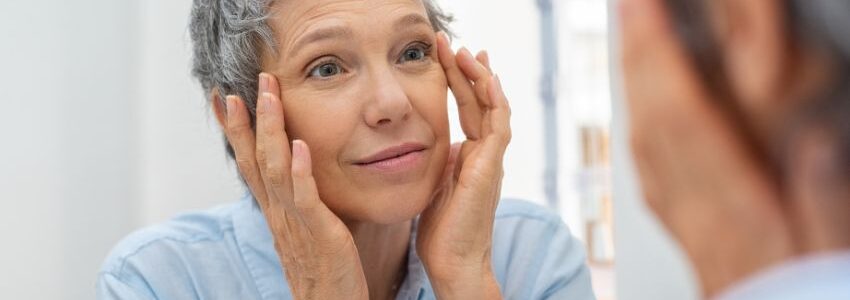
<point x="326" y="33"/>
<point x="410" y="20"/>
<point x="338" y="31"/>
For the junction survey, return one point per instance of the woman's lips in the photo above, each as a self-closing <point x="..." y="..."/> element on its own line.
<point x="394" y="159"/>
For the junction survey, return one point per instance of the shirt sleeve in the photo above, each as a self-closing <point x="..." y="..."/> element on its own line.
<point x="563" y="271"/>
<point x="536" y="257"/>
<point x="110" y="287"/>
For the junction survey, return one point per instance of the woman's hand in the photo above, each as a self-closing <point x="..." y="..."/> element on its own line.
<point x="455" y="232"/>
<point x="316" y="249"/>
<point x="695" y="168"/>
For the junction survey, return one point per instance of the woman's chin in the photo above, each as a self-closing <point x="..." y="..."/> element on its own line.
<point x="381" y="202"/>
<point x="391" y="207"/>
<point x="392" y="211"/>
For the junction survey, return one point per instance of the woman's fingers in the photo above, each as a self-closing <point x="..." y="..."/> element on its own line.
<point x="688" y="152"/>
<point x="491" y="113"/>
<point x="650" y="50"/>
<point x="451" y="162"/>
<point x="484" y="167"/>
<point x="469" y="78"/>
<point x="665" y="97"/>
<point x="475" y="72"/>
<point x="484" y="58"/>
<point x="314" y="213"/>
<point x="288" y="174"/>
<point x="499" y="114"/>
<point x="273" y="154"/>
<point x="240" y="135"/>
<point x="491" y="151"/>
<point x="644" y="162"/>
<point x="481" y="80"/>
<point x="269" y="84"/>
<point x="467" y="103"/>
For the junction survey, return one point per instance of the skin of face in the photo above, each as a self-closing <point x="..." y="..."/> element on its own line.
<point x="356" y="78"/>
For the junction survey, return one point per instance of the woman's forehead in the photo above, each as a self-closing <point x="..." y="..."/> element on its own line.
<point x="298" y="22"/>
<point x="291" y="14"/>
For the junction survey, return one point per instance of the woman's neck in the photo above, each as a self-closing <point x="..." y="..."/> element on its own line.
<point x="383" y="254"/>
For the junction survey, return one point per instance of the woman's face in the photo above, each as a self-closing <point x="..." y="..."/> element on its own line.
<point x="361" y="85"/>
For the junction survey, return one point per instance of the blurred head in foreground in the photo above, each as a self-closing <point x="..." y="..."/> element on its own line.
<point x="740" y="119"/>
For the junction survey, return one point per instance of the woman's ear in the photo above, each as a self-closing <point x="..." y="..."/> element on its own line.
<point x="219" y="108"/>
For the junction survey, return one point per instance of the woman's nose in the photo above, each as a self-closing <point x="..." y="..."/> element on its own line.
<point x="389" y="104"/>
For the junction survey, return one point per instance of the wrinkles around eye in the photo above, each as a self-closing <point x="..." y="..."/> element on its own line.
<point x="414" y="54"/>
<point x="423" y="48"/>
<point x="315" y="69"/>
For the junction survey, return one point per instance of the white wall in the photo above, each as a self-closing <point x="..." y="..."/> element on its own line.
<point x="649" y="265"/>
<point x="183" y="165"/>
<point x="68" y="159"/>
<point x="103" y="133"/>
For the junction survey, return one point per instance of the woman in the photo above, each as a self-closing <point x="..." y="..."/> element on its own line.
<point x="740" y="134"/>
<point x="356" y="193"/>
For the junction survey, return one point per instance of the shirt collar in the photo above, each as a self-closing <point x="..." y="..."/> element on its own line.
<point x="817" y="270"/>
<point x="416" y="284"/>
<point x="257" y="248"/>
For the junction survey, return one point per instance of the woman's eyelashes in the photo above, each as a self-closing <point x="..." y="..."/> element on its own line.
<point x="325" y="69"/>
<point x="329" y="67"/>
<point x="417" y="51"/>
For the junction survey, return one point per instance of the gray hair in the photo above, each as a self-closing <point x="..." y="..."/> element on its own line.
<point x="823" y="24"/>
<point x="228" y="36"/>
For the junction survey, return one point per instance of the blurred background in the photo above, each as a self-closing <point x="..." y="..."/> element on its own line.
<point x="106" y="132"/>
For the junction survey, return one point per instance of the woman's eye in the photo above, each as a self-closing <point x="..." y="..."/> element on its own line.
<point x="413" y="54"/>
<point x="326" y="70"/>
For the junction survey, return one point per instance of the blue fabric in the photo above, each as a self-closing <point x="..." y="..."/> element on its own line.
<point x="228" y="253"/>
<point x="821" y="277"/>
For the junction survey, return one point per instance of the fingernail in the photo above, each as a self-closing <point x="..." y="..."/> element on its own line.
<point x="445" y="37"/>
<point x="464" y="54"/>
<point x="461" y="51"/>
<point x="264" y="83"/>
<point x="230" y="105"/>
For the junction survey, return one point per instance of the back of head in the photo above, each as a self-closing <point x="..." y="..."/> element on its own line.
<point x="815" y="28"/>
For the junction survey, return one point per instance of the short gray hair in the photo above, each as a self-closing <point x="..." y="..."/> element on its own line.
<point x="824" y="24"/>
<point x="228" y="36"/>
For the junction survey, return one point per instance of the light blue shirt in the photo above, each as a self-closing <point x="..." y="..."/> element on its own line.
<point x="820" y="277"/>
<point x="228" y="253"/>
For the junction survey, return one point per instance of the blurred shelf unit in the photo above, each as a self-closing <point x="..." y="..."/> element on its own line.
<point x="594" y="182"/>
